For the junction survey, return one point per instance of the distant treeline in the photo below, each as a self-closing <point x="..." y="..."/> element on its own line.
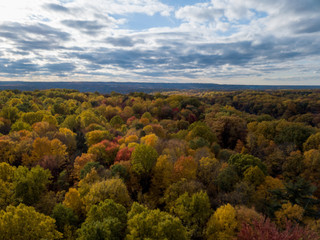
<point x="127" y="87"/>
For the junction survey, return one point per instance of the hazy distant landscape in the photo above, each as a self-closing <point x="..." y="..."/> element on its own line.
<point x="127" y="87"/>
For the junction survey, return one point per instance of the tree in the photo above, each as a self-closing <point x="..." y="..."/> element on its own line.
<point x="107" y="220"/>
<point x="242" y="162"/>
<point x="265" y="229"/>
<point x="299" y="192"/>
<point x="105" y="152"/>
<point x="11" y="113"/>
<point x="208" y="170"/>
<point x="162" y="175"/>
<point x="6" y="194"/>
<point x="228" y="129"/>
<point x="175" y="190"/>
<point x="24" y="223"/>
<point x="222" y="224"/>
<point x="7" y="151"/>
<point x="88" y="168"/>
<point x="113" y="189"/>
<point x="150" y="140"/>
<point x="254" y="176"/>
<point x="200" y="129"/>
<point x="185" y="167"/>
<point x="64" y="217"/>
<point x="68" y="138"/>
<point x="7" y="188"/>
<point x="116" y="121"/>
<point x="313" y="142"/>
<point x="30" y="184"/>
<point x="87" y="117"/>
<point x="143" y="159"/>
<point x="97" y="136"/>
<point x="264" y="198"/>
<point x="293" y="166"/>
<point x="227" y="178"/>
<point x="124" y="154"/>
<point x="289" y="212"/>
<point x="32" y="117"/>
<point x="71" y="123"/>
<point x="19" y="125"/>
<point x="247" y="215"/>
<point x="312" y="168"/>
<point x="80" y="162"/>
<point x="73" y="201"/>
<point x="194" y="212"/>
<point x="295" y="133"/>
<point x="153" y="224"/>
<point x="44" y="129"/>
<point x="51" y="154"/>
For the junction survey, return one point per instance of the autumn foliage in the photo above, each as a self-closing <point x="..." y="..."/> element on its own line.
<point x="190" y="165"/>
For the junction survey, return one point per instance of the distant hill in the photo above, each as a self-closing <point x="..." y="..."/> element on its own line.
<point x="126" y="87"/>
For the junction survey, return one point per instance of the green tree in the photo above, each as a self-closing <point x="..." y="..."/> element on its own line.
<point x="64" y="217"/>
<point x="116" y="121"/>
<point x="194" y="212"/>
<point x="143" y="159"/>
<point x="30" y="184"/>
<point x="11" y="113"/>
<point x="153" y="224"/>
<point x="227" y="178"/>
<point x="254" y="176"/>
<point x="242" y="162"/>
<point x="32" y="117"/>
<point x="24" y="223"/>
<point x="19" y="125"/>
<point x="107" y="220"/>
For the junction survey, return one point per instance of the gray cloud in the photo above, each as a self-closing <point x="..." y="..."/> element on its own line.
<point x="38" y="29"/>
<point x="121" y="41"/>
<point x="19" y="67"/>
<point x="44" y="36"/>
<point x="307" y="26"/>
<point x="56" y="7"/>
<point x="85" y="26"/>
<point x="60" y="67"/>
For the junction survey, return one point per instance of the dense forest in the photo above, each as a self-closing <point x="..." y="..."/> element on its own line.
<point x="172" y="165"/>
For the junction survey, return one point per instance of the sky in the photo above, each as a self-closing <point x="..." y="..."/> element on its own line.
<point x="257" y="42"/>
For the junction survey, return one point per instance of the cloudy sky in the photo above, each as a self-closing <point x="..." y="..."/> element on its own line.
<point x="218" y="41"/>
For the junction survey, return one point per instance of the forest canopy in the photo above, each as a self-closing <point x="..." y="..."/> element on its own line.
<point x="170" y="165"/>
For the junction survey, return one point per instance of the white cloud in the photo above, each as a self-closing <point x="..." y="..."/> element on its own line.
<point x="217" y="40"/>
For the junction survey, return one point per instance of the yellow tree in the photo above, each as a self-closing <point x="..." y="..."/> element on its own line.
<point x="289" y="212"/>
<point x="50" y="154"/>
<point x="151" y="140"/>
<point x="24" y="223"/>
<point x="222" y="224"/>
<point x="113" y="189"/>
<point x="73" y="201"/>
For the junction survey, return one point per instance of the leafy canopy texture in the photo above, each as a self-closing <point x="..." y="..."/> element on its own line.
<point x="107" y="220"/>
<point x="143" y="159"/>
<point x="24" y="223"/>
<point x="222" y="224"/>
<point x="153" y="225"/>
